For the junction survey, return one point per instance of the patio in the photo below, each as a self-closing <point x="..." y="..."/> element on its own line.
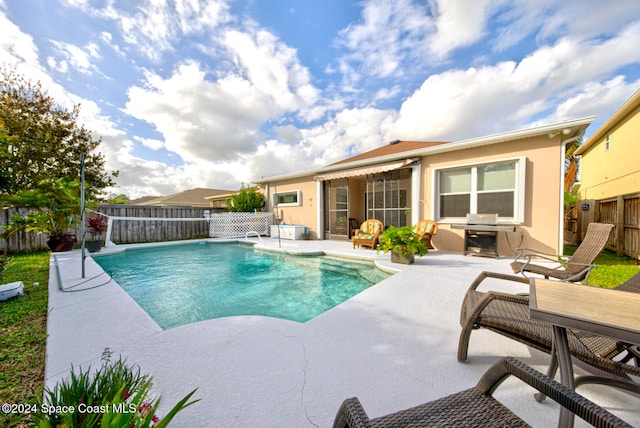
<point x="393" y="346"/>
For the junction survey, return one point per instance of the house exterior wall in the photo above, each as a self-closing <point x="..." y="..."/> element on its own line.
<point x="541" y="224"/>
<point x="609" y="172"/>
<point x="306" y="212"/>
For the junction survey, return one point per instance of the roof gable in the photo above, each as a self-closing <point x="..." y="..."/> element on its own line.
<point x="629" y="107"/>
<point x="390" y="149"/>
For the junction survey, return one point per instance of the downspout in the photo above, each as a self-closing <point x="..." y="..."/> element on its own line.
<point x="563" y="150"/>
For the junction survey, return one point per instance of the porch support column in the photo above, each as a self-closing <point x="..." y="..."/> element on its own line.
<point x="416" y="195"/>
<point x="320" y="209"/>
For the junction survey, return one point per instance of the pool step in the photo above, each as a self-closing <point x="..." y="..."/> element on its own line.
<point x="366" y="271"/>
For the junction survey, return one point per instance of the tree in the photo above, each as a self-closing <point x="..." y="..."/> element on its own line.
<point x="570" y="165"/>
<point x="120" y="199"/>
<point x="247" y="200"/>
<point x="40" y="139"/>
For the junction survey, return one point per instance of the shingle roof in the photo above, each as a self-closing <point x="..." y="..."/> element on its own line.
<point x="391" y="148"/>
<point x="191" y="197"/>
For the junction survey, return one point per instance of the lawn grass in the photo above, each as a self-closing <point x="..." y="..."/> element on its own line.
<point x="23" y="334"/>
<point x="611" y="270"/>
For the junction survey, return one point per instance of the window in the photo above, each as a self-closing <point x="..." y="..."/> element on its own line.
<point x="387" y="197"/>
<point x="287" y="199"/>
<point x="607" y="144"/>
<point x="482" y="189"/>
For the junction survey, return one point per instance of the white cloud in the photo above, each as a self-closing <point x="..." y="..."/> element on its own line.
<point x="150" y="143"/>
<point x="607" y="96"/>
<point x="215" y="120"/>
<point x="272" y="68"/>
<point x="157" y="24"/>
<point x="16" y="47"/>
<point x="457" y="24"/>
<point x="387" y="36"/>
<point x="80" y="58"/>
<point x="477" y="101"/>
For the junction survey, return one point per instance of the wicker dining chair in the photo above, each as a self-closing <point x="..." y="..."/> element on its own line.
<point x="577" y="267"/>
<point x="508" y="314"/>
<point x="476" y="407"/>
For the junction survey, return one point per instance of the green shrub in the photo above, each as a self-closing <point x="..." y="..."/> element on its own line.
<point x="116" y="395"/>
<point x="402" y="240"/>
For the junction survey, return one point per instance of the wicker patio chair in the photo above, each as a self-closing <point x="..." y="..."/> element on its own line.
<point x="475" y="407"/>
<point x="426" y="229"/>
<point x="574" y="269"/>
<point x="367" y="235"/>
<point x="508" y="315"/>
<point x="354" y="225"/>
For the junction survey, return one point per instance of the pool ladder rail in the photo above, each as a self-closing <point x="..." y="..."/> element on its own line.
<point x="253" y="232"/>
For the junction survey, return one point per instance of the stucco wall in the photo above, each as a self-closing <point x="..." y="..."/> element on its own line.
<point x="306" y="213"/>
<point x="609" y="173"/>
<point x="542" y="194"/>
<point x="541" y="225"/>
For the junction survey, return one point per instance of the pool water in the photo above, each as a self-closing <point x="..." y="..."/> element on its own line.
<point x="178" y="285"/>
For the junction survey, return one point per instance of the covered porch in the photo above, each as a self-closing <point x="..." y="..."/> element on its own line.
<point x="388" y="192"/>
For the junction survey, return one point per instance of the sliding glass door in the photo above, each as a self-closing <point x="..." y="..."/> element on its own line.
<point x="337" y="208"/>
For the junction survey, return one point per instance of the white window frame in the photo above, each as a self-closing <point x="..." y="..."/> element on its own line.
<point x="519" y="191"/>
<point x="297" y="203"/>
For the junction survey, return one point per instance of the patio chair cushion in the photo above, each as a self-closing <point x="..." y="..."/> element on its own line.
<point x="368" y="234"/>
<point x="426" y="229"/>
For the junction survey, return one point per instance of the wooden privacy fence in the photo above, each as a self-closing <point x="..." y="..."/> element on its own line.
<point x="622" y="211"/>
<point x="130" y="224"/>
<point x="20" y="241"/>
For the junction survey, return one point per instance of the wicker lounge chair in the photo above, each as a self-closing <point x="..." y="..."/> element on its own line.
<point x="577" y="267"/>
<point x="426" y="229"/>
<point x="368" y="234"/>
<point x="508" y="315"/>
<point x="476" y="407"/>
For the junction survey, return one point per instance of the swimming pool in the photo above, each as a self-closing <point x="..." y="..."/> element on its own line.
<point x="182" y="284"/>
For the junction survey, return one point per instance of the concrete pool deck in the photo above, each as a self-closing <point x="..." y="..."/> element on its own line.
<point x="393" y="346"/>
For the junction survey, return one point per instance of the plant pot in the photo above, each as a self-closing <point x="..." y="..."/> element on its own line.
<point x="399" y="258"/>
<point x="61" y="243"/>
<point x="93" y="246"/>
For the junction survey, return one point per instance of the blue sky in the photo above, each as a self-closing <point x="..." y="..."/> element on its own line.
<point x="214" y="93"/>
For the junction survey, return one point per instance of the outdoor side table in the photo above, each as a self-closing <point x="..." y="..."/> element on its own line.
<point x="600" y="311"/>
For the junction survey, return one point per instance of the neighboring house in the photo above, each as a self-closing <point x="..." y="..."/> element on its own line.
<point x="609" y="157"/>
<point x="517" y="174"/>
<point x="189" y="198"/>
<point x="220" y="200"/>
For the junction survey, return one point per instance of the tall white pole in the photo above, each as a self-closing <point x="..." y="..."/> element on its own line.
<point x="82" y="203"/>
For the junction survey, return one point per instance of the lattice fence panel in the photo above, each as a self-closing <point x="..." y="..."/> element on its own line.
<point x="234" y="225"/>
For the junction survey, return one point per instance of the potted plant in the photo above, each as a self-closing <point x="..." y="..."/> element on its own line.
<point x="96" y="225"/>
<point x="403" y="243"/>
<point x="53" y="209"/>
